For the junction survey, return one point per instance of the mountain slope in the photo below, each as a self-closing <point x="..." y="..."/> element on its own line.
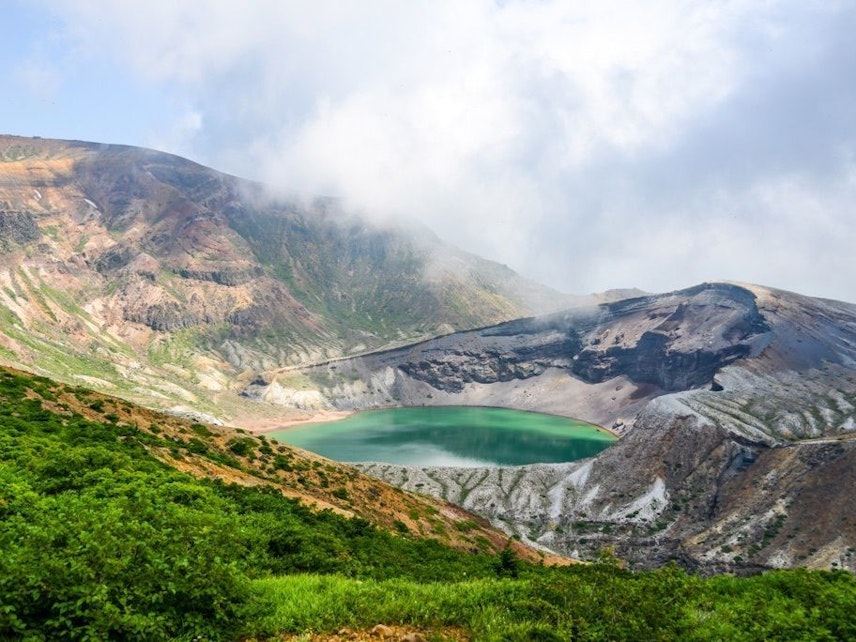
<point x="159" y="280"/>
<point x="737" y="406"/>
<point x="600" y="364"/>
<point x="104" y="539"/>
<point x="233" y="456"/>
<point x="120" y="523"/>
<point x="163" y="280"/>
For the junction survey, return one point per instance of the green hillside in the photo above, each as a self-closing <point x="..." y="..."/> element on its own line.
<point x="103" y="537"/>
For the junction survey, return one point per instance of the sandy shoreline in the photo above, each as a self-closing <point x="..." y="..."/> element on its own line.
<point x="263" y="426"/>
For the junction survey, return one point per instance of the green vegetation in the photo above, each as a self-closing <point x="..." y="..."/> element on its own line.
<point x="595" y="602"/>
<point x="101" y="540"/>
<point x="368" y="284"/>
<point x="296" y="380"/>
<point x="176" y="349"/>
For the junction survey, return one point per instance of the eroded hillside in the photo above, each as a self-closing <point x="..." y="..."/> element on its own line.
<point x="156" y="278"/>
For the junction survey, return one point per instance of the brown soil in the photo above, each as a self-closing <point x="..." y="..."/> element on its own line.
<point x="261" y="426"/>
<point x="389" y="633"/>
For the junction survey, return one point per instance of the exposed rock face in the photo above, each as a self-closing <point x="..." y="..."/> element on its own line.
<point x="114" y="259"/>
<point x="716" y="325"/>
<point x="17" y="228"/>
<point x="166" y="317"/>
<point x="224" y="277"/>
<point x="696" y="495"/>
<point x="644" y="339"/>
<point x="630" y="351"/>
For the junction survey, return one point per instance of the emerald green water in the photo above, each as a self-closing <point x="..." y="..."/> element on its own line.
<point x="450" y="436"/>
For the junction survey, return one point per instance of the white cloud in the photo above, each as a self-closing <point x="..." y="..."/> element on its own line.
<point x="180" y="134"/>
<point x="40" y="78"/>
<point x="591" y="145"/>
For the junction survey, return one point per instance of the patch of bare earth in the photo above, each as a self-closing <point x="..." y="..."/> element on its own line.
<point x="388" y="633"/>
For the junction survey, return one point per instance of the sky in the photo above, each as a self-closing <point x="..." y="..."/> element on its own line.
<point x="587" y="145"/>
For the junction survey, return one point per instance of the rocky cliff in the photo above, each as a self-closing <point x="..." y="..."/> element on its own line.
<point x="599" y="363"/>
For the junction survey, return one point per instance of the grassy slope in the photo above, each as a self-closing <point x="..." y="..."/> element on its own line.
<point x="116" y="522"/>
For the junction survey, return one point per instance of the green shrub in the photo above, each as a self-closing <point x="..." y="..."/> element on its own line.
<point x="134" y="565"/>
<point x="201" y="430"/>
<point x="243" y="447"/>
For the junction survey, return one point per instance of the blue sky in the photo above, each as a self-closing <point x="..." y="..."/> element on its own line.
<point x="587" y="145"/>
<point x="57" y="96"/>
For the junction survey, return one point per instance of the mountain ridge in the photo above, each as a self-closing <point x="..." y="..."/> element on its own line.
<point x="170" y="277"/>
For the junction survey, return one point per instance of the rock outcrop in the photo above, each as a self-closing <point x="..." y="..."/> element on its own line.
<point x="17" y="228"/>
<point x="628" y="351"/>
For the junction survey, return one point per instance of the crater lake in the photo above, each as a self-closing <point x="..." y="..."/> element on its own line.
<point x="450" y="436"/>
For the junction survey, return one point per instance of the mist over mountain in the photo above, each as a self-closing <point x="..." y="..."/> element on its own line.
<point x="119" y="263"/>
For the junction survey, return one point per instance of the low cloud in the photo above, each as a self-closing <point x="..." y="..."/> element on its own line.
<point x="589" y="146"/>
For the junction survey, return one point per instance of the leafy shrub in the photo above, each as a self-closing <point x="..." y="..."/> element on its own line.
<point x="281" y="463"/>
<point x="201" y="430"/>
<point x="133" y="564"/>
<point x="243" y="447"/>
<point x="98" y="540"/>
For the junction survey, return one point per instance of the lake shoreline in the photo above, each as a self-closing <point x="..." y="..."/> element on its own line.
<point x="463" y="436"/>
<point x="266" y="426"/>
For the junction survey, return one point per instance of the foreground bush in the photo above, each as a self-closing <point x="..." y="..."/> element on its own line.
<point x="99" y="540"/>
<point x="597" y="602"/>
<point x="84" y="566"/>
